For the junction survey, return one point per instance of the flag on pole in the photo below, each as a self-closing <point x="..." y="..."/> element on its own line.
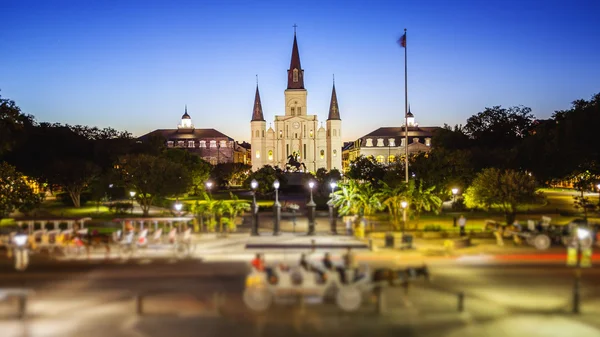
<point x="402" y="41"/>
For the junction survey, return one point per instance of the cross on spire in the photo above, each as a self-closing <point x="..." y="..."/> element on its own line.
<point x="295" y="26"/>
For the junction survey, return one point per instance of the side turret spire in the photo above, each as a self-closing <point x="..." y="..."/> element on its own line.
<point x="334" y="109"/>
<point x="257" y="112"/>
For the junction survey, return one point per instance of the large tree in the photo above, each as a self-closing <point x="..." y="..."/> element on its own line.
<point x="15" y="192"/>
<point x="152" y="177"/>
<point x="265" y="176"/>
<point x="199" y="170"/>
<point x="57" y="155"/>
<point x="366" y="169"/>
<point x="502" y="189"/>
<point x="12" y="124"/>
<point x="230" y="174"/>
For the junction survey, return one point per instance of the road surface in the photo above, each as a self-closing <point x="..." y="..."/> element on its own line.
<point x="80" y="298"/>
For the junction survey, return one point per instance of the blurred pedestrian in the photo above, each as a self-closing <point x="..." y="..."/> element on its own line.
<point x="462" y="222"/>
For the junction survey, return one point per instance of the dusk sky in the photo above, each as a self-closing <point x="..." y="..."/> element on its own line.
<point x="133" y="65"/>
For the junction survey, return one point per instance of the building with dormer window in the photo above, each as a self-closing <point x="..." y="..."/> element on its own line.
<point x="210" y="144"/>
<point x="388" y="144"/>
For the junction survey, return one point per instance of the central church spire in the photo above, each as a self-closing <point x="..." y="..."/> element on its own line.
<point x="295" y="73"/>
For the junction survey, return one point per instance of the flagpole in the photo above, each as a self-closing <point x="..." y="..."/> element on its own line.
<point x="405" y="109"/>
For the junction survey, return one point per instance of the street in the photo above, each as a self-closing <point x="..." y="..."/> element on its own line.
<point x="196" y="298"/>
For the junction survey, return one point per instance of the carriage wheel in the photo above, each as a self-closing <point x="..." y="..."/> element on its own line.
<point x="181" y="250"/>
<point x="258" y="298"/>
<point x="586" y="243"/>
<point x="126" y="251"/>
<point x="349" y="298"/>
<point x="542" y="242"/>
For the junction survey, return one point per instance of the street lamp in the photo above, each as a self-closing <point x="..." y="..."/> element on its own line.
<point x="276" y="209"/>
<point x="209" y="185"/>
<point x="332" y="218"/>
<point x="178" y="206"/>
<point x="404" y="204"/>
<point x="311" y="210"/>
<point x="454" y="193"/>
<point x="254" y="185"/>
<point x="132" y="194"/>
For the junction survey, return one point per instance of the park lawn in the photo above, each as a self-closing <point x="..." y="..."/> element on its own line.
<point x="7" y="222"/>
<point x="475" y="220"/>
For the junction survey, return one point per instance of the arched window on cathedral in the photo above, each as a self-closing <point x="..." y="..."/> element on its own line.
<point x="257" y="154"/>
<point x="335" y="153"/>
<point x="293" y="110"/>
<point x="322" y="154"/>
<point x="334" y="133"/>
<point x="270" y="154"/>
<point x="257" y="133"/>
<point x="263" y="133"/>
<point x="311" y="133"/>
<point x="295" y="75"/>
<point x="299" y="111"/>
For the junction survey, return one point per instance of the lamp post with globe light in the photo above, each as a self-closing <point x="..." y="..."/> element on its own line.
<point x="404" y="204"/>
<point x="454" y="193"/>
<point x="276" y="209"/>
<point x="332" y="217"/>
<point x="311" y="210"/>
<point x="132" y="195"/>
<point x="209" y="185"/>
<point x="254" y="185"/>
<point x="178" y="207"/>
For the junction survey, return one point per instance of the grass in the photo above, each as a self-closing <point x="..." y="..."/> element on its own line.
<point x="7" y="222"/>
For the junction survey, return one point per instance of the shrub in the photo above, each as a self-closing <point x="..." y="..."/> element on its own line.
<point x="432" y="228"/>
<point x="65" y="199"/>
<point x="120" y="207"/>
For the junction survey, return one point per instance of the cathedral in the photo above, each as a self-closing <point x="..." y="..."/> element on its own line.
<point x="296" y="134"/>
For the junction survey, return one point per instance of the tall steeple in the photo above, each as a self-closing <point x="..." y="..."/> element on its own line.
<point x="334" y="109"/>
<point x="295" y="73"/>
<point x="257" y="112"/>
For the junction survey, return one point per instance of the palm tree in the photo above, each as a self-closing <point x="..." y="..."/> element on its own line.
<point x="237" y="207"/>
<point x="356" y="199"/>
<point x="391" y="198"/>
<point x="423" y="199"/>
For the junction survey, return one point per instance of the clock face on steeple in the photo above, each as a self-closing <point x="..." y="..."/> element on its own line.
<point x="296" y="125"/>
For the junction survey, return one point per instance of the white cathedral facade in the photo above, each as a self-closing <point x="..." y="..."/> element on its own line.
<point x="296" y="133"/>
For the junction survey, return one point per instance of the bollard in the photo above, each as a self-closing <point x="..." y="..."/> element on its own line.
<point x="22" y="306"/>
<point x="576" y="298"/>
<point x="461" y="301"/>
<point x="138" y="304"/>
<point x="381" y="307"/>
<point x="302" y="304"/>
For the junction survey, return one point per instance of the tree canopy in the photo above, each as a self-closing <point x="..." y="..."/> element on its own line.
<point x="15" y="192"/>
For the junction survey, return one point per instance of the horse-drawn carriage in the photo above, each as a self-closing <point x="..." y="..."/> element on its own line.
<point x="542" y="235"/>
<point x="349" y="288"/>
<point x="131" y="243"/>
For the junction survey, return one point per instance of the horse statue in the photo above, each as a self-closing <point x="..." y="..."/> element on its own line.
<point x="294" y="163"/>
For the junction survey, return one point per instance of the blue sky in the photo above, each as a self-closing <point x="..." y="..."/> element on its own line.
<point x="133" y="65"/>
